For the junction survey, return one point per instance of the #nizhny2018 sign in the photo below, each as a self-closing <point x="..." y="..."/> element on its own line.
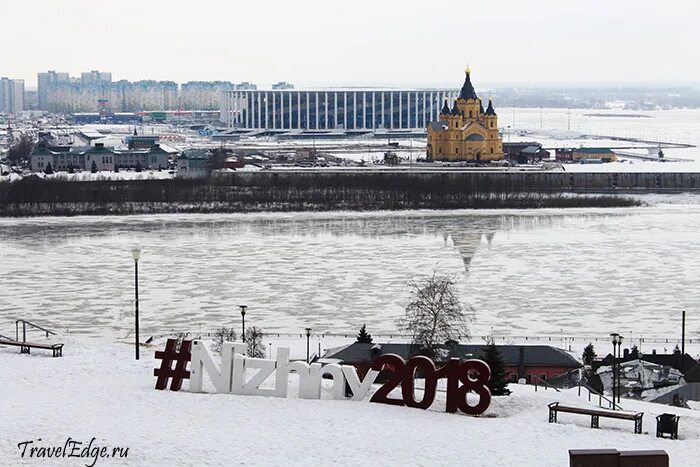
<point x="463" y="377"/>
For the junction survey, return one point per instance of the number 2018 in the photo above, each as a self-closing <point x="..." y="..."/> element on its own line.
<point x="462" y="378"/>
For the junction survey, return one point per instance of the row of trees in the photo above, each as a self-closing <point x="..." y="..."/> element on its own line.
<point x="253" y="339"/>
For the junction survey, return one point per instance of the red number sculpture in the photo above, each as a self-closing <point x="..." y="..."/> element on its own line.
<point x="427" y="366"/>
<point x="462" y="378"/>
<point x="396" y="365"/>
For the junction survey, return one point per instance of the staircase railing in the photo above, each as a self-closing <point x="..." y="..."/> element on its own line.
<point x="26" y="323"/>
<point x="601" y="397"/>
<point x="545" y="384"/>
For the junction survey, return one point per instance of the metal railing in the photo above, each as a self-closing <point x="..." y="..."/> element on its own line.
<point x="545" y="384"/>
<point x="548" y="339"/>
<point x="26" y="323"/>
<point x="601" y="397"/>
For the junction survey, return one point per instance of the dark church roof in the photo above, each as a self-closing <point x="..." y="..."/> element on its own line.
<point x="481" y="107"/>
<point x="489" y="109"/>
<point x="468" y="89"/>
<point x="455" y="109"/>
<point x="445" y="108"/>
<point x="438" y="126"/>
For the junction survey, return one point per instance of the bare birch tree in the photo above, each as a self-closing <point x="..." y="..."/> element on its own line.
<point x="435" y="314"/>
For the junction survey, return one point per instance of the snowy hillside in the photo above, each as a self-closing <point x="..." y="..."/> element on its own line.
<point x="98" y="390"/>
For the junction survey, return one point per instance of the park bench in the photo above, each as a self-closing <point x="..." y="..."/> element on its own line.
<point x="595" y="414"/>
<point x="24" y="347"/>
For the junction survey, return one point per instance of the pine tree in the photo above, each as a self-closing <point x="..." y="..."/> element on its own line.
<point x="497" y="384"/>
<point x="363" y="337"/>
<point x="588" y="354"/>
<point x="49" y="169"/>
<point x="93" y="167"/>
<point x="634" y="352"/>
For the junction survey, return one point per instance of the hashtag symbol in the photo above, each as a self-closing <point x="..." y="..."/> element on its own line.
<point x="181" y="358"/>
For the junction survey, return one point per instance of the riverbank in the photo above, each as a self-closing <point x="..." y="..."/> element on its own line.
<point x="299" y="191"/>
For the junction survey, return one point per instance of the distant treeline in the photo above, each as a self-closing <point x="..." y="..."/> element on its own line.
<point x="268" y="191"/>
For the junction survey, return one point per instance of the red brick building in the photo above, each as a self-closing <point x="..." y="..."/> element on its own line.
<point x="530" y="362"/>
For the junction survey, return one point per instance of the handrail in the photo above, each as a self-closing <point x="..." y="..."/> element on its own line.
<point x="611" y="404"/>
<point x="545" y="384"/>
<point x="24" y="329"/>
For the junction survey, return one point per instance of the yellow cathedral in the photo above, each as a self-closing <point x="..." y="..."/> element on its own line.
<point x="466" y="132"/>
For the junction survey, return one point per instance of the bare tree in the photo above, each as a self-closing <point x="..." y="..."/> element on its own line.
<point x="435" y="313"/>
<point x="254" y="339"/>
<point x="223" y="335"/>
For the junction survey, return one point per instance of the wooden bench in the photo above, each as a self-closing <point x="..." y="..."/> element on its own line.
<point x="595" y="414"/>
<point x="24" y="347"/>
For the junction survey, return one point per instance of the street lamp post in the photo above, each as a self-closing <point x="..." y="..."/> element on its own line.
<point x="613" y="337"/>
<point x="619" y="355"/>
<point x="136" y="254"/>
<point x="308" y="337"/>
<point x="243" y="308"/>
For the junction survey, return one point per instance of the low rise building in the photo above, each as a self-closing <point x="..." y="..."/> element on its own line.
<point x="533" y="363"/>
<point x="141" y="152"/>
<point x="193" y="163"/>
<point x="602" y="154"/>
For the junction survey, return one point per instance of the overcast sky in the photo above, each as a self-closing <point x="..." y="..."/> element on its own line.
<point x="379" y="42"/>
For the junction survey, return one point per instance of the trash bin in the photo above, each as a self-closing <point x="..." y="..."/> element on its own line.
<point x="667" y="423"/>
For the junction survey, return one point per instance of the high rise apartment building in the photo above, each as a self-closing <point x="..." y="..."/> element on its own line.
<point x="11" y="95"/>
<point x="44" y="81"/>
<point x="203" y="95"/>
<point x="95" y="91"/>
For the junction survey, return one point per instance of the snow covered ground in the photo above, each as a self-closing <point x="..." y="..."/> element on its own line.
<point x="98" y="390"/>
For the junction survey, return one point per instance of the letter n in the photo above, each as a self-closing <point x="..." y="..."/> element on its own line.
<point x="202" y="360"/>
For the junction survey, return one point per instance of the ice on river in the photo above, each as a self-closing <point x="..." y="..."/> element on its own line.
<point x="580" y="272"/>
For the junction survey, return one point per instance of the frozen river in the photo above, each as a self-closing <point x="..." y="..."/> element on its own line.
<point x="580" y="272"/>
